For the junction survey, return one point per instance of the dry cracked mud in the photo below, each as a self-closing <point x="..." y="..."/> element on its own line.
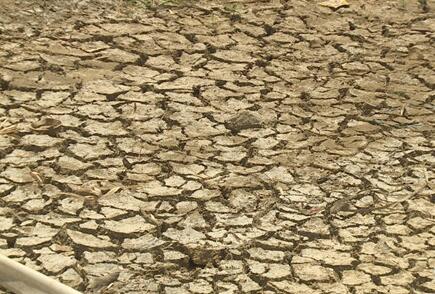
<point x="219" y="147"/>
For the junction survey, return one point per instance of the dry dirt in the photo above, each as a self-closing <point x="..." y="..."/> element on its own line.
<point x="217" y="147"/>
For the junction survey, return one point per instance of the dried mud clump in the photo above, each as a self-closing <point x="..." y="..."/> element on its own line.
<point x="243" y="121"/>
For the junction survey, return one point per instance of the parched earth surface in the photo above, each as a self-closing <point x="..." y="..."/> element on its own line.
<point x="217" y="147"/>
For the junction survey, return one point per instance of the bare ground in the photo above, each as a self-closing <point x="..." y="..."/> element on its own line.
<point x="217" y="147"/>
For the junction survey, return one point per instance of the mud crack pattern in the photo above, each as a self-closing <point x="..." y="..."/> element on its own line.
<point x="216" y="147"/>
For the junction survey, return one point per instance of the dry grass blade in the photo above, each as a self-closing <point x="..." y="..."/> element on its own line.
<point x="112" y="191"/>
<point x="38" y="178"/>
<point x="403" y="110"/>
<point x="8" y="130"/>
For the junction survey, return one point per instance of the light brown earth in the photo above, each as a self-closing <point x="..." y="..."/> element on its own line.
<point x="243" y="147"/>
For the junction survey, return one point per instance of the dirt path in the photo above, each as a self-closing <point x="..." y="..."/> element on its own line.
<point x="244" y="147"/>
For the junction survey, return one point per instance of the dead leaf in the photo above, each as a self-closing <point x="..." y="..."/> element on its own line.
<point x="339" y="205"/>
<point x="127" y="163"/>
<point x="335" y="4"/>
<point x="45" y="124"/>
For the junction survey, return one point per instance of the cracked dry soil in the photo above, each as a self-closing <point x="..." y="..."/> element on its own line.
<point x="216" y="147"/>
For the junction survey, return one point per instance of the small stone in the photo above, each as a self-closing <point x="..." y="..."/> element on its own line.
<point x="242" y="121"/>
